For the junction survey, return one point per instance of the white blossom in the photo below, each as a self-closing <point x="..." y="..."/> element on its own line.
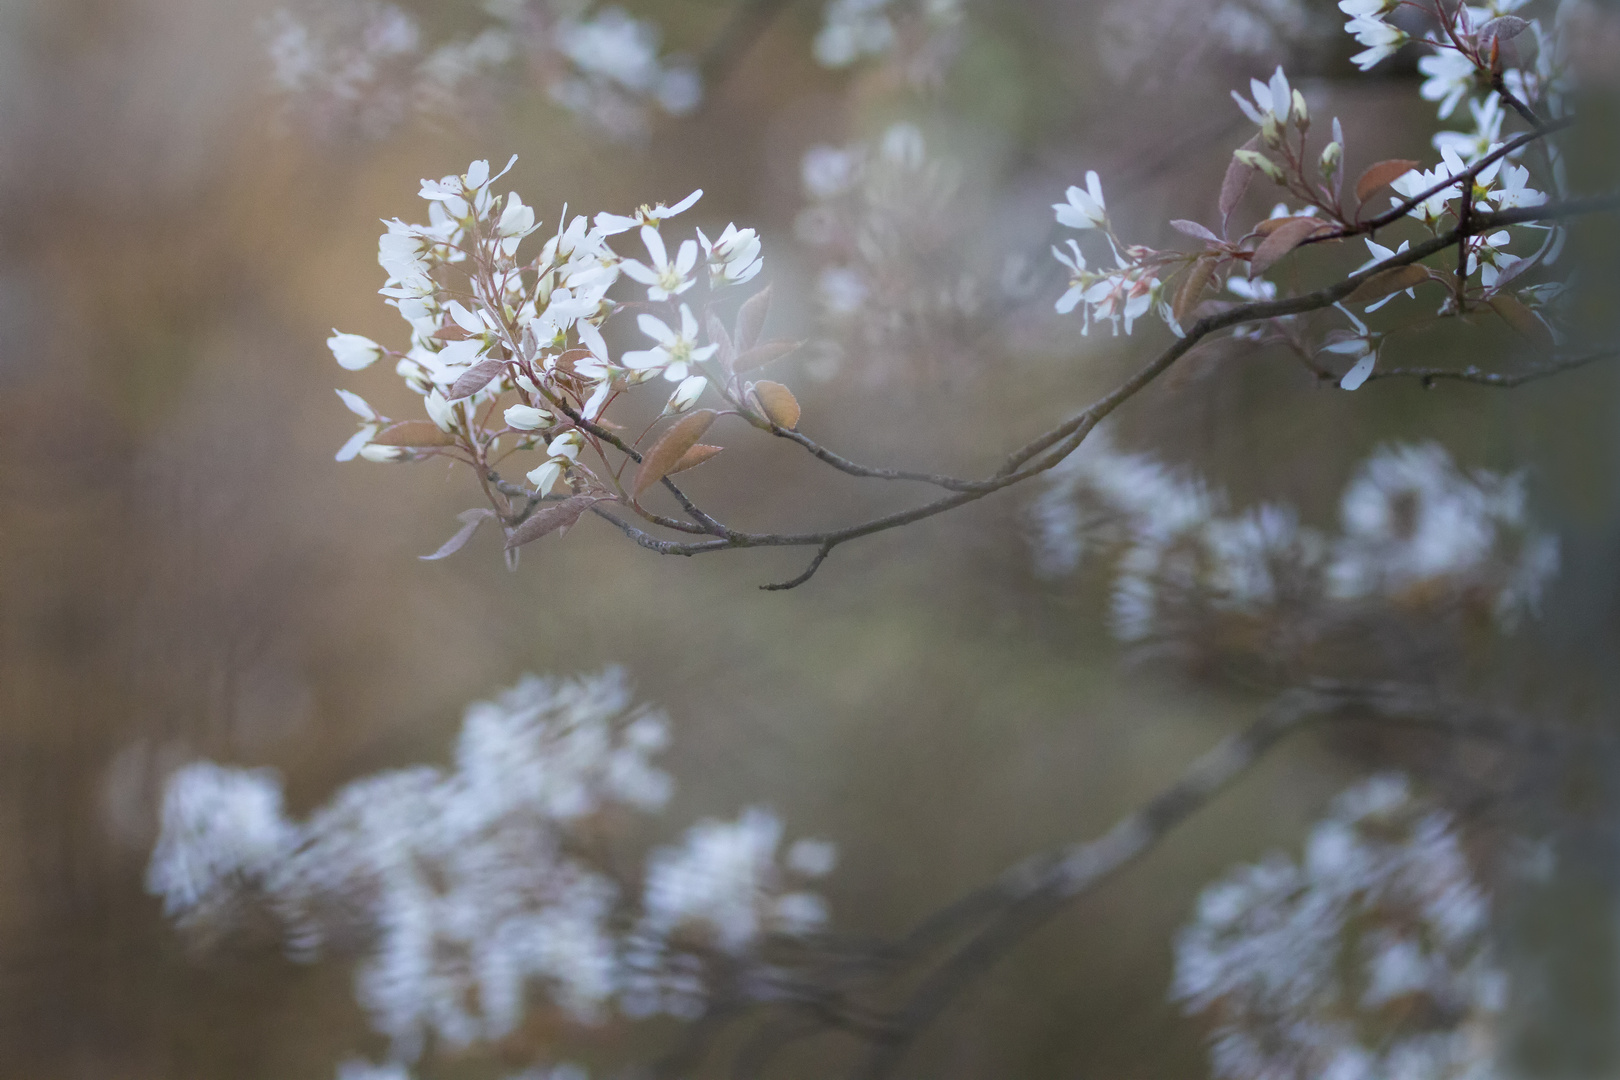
<point x="1085" y="208"/>
<point x="1380" y="38"/>
<point x="733" y="258"/>
<point x="666" y="277"/>
<point x="1449" y="77"/>
<point x="1370" y="958"/>
<point x="353" y="352"/>
<point x="675" y="351"/>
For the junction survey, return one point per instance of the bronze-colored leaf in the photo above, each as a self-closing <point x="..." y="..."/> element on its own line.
<point x="694" y="457"/>
<point x="671" y="446"/>
<point x="1501" y="29"/>
<point x="413" y="433"/>
<point x="548" y="519"/>
<point x="1526" y="323"/>
<point x="766" y="352"/>
<point x="778" y="404"/>
<point x="1192" y="289"/>
<point x="470" y="519"/>
<point x="1236" y="183"/>
<point x="477" y="377"/>
<point x="718" y="336"/>
<point x="1380" y="175"/>
<point x="751" y="320"/>
<point x="1283" y="239"/>
<point x="1388" y="283"/>
<point x="1194" y="230"/>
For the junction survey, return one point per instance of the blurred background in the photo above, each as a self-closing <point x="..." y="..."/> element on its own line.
<point x="185" y="572"/>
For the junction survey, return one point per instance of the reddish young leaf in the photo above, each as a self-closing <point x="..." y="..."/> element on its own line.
<point x="413" y="433"/>
<point x="476" y="378"/>
<point x="778" y="404"/>
<point x="548" y="519"/>
<point x="766" y="352"/>
<point x="671" y="446"/>
<point x="718" y="336"/>
<point x="1194" y="230"/>
<point x="1380" y="175"/>
<point x="751" y="320"/>
<point x="1235" y="184"/>
<point x="1283" y="238"/>
<point x="694" y="457"/>
<point x="471" y="519"/>
<point x="1388" y="283"/>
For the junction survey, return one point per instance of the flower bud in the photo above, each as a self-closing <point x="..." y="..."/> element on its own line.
<point x="1270" y="132"/>
<point x="1332" y="154"/>
<point x="441" y="412"/>
<point x="1302" y="115"/>
<point x="686" y="395"/>
<point x="352" y="351"/>
<point x="1256" y="160"/>
<point x="373" y="452"/>
<point x="545" y="477"/>
<point x="527" y="418"/>
<point x="567" y="445"/>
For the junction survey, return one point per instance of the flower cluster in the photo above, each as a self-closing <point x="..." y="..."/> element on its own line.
<point x="1415" y="530"/>
<point x="507" y="349"/>
<point x="1370" y="958"/>
<point x="886" y="223"/>
<point x="917" y="36"/>
<point x="363" y="64"/>
<point x="1119" y="294"/>
<point x="469" y="885"/>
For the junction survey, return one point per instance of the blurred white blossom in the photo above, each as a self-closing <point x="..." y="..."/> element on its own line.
<point x="1369" y="959"/>
<point x="468" y="885"/>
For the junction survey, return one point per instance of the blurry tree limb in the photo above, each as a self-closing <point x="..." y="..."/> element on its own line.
<point x="1429" y="376"/>
<point x="1031" y="894"/>
<point x="744" y="24"/>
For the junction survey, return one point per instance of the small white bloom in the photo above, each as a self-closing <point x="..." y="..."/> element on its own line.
<point x="1382" y="40"/>
<point x="353" y="351"/>
<point x="517" y="220"/>
<point x="383" y="454"/>
<point x="1085" y="208"/>
<point x="686" y="395"/>
<point x="733" y="258"/>
<point x="545" y="477"/>
<point x="1450" y="75"/>
<point x="614" y="224"/>
<point x="1272" y="100"/>
<point x="527" y="417"/>
<point x="441" y="412"/>
<point x="675" y="351"/>
<point x="664" y="278"/>
<point x="567" y="445"/>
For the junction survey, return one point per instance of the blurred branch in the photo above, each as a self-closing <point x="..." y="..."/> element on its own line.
<point x="1429" y="376"/>
<point x="1031" y="894"/>
<point x="747" y="20"/>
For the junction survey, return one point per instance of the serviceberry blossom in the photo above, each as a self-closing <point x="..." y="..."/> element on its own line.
<point x="666" y="277"/>
<point x="1085" y="208"/>
<point x="1273" y="101"/>
<point x="1449" y="77"/>
<point x="675" y="352"/>
<point x="366" y="65"/>
<point x="506" y="346"/>
<point x="465" y="887"/>
<point x="1369" y="958"/>
<point x="1380" y="38"/>
<point x="733" y="258"/>
<point x="1412" y="524"/>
